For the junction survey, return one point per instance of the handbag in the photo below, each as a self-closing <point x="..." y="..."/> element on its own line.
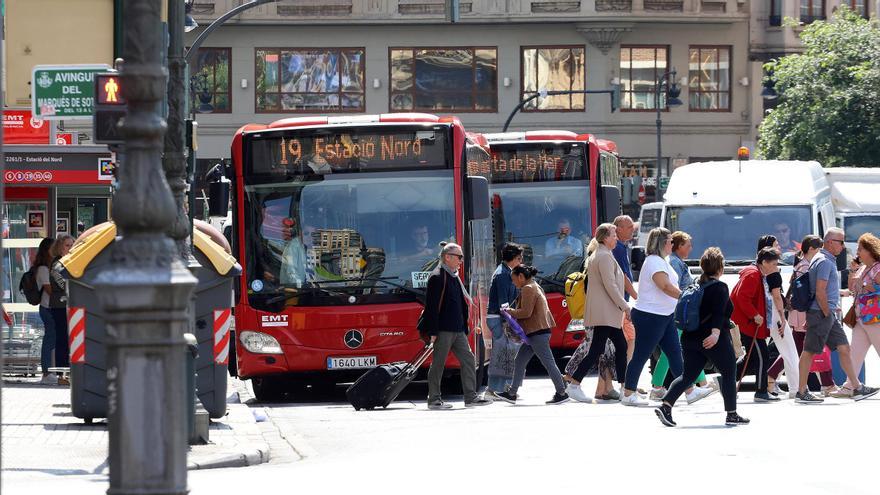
<point x="849" y="319"/>
<point x="821" y="362"/>
<point x="422" y="323"/>
<point x="518" y="334"/>
<point x="869" y="302"/>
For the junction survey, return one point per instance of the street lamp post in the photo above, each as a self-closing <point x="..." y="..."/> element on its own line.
<point x="145" y="288"/>
<point x="672" y="92"/>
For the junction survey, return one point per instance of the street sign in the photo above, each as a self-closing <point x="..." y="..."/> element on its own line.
<point x="64" y="91"/>
<point x="20" y="127"/>
<point x="110" y="108"/>
<point x="664" y="183"/>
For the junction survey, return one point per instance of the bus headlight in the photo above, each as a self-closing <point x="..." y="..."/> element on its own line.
<point x="259" y="343"/>
<point x="575" y="326"/>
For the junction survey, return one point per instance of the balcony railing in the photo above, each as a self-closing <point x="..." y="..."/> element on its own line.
<point x="664" y="5"/>
<point x="613" y="5"/>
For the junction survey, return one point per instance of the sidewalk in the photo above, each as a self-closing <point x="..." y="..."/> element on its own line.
<point x="40" y="435"/>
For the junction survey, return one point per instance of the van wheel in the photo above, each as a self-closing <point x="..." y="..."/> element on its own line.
<point x="268" y="389"/>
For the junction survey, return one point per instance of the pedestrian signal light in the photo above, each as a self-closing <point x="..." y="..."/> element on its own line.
<point x="109" y="89"/>
<point x="742" y="153"/>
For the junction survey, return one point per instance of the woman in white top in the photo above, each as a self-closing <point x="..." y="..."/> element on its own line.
<point x="654" y="314"/>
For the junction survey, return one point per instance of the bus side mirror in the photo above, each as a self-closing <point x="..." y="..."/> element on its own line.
<point x="638" y="259"/>
<point x="478" y="201"/>
<point x="611" y="202"/>
<point x="218" y="198"/>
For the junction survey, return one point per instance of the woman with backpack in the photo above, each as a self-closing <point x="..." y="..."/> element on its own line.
<point x="709" y="341"/>
<point x="605" y="307"/>
<point x="43" y="264"/>
<point x="58" y="303"/>
<point x="752" y="312"/>
<point x="533" y="314"/>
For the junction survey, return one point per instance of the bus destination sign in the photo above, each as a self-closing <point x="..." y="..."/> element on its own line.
<point x="347" y="151"/>
<point x="533" y="164"/>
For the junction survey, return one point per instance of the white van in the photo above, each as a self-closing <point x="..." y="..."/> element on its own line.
<point x="854" y="194"/>
<point x="649" y="218"/>
<point x="731" y="204"/>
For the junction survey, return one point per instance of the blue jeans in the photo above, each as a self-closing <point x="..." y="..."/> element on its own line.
<point x="653" y="330"/>
<point x="499" y="379"/>
<point x="48" y="347"/>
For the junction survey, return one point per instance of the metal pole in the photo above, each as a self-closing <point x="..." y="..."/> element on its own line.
<point x="174" y="160"/>
<point x="557" y="93"/>
<point x="659" y="124"/>
<point x="144" y="290"/>
<point x="194" y="48"/>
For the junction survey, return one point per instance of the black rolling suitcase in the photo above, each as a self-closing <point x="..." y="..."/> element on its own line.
<point x="382" y="384"/>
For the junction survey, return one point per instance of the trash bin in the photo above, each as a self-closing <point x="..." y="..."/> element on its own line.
<point x="213" y="320"/>
<point x="87" y="330"/>
<point x="88" y="333"/>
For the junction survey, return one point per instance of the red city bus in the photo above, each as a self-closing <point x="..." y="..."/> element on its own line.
<point x="550" y="190"/>
<point x="338" y="222"/>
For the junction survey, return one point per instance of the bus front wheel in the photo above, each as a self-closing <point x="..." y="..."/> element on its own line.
<point x="268" y="389"/>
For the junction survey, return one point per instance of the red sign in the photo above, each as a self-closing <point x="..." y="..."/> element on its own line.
<point x="20" y="127"/>
<point x="64" y="138"/>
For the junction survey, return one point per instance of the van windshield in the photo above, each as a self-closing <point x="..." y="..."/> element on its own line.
<point x="736" y="229"/>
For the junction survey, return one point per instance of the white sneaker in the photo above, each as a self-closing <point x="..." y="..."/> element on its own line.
<point x="698" y="393"/>
<point x="633" y="400"/>
<point x="576" y="393"/>
<point x="657" y="394"/>
<point x="49" y="379"/>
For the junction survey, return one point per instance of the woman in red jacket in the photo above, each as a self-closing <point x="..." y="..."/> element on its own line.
<point x="751" y="312"/>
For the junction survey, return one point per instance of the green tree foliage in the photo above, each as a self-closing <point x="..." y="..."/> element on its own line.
<point x="829" y="106"/>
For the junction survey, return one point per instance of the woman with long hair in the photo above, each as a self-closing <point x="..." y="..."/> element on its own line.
<point x="604" y="309"/>
<point x="864" y="283"/>
<point x="43" y="263"/>
<point x="58" y="302"/>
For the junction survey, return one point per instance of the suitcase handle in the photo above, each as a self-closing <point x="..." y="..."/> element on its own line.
<point x="420" y="359"/>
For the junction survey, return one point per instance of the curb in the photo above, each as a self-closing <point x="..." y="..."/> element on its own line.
<point x="250" y="457"/>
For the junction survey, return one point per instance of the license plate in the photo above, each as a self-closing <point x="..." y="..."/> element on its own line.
<point x="351" y="363"/>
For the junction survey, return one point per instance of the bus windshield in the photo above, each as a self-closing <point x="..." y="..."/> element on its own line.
<point x="736" y="229"/>
<point x="551" y="220"/>
<point x="857" y="225"/>
<point x="346" y="237"/>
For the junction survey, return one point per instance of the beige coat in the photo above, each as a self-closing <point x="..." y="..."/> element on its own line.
<point x="531" y="310"/>
<point x="605" y="304"/>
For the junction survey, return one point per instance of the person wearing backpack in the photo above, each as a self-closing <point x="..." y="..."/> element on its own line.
<point x="752" y="308"/>
<point x="42" y="266"/>
<point x="823" y="321"/>
<point x="809" y="248"/>
<point x="604" y="311"/>
<point x="501" y="292"/>
<point x="706" y="336"/>
<point x="58" y="302"/>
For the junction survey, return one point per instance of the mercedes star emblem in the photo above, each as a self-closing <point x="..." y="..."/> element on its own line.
<point x="353" y="339"/>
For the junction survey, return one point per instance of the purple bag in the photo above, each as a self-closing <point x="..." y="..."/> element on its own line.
<point x="514" y="325"/>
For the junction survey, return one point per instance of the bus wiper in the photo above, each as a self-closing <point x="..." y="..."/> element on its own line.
<point x="419" y="293"/>
<point x="550" y="281"/>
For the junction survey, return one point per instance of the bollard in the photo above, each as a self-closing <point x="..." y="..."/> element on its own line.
<point x="197" y="417"/>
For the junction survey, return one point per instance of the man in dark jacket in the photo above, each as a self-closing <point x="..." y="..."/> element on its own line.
<point x="446" y="321"/>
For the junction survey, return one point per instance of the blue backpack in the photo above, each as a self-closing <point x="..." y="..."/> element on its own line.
<point x="687" y="311"/>
<point x="800" y="294"/>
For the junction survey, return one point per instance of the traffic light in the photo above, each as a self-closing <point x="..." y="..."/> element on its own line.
<point x="110" y="108"/>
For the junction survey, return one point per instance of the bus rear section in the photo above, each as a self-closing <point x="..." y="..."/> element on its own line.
<point x="548" y="193"/>
<point x="339" y="222"/>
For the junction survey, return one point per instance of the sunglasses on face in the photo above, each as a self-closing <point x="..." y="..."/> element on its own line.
<point x="459" y="256"/>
